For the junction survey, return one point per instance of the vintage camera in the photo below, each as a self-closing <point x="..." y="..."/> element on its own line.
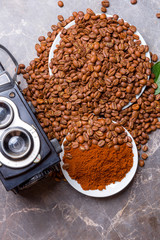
<point x="26" y="154"/>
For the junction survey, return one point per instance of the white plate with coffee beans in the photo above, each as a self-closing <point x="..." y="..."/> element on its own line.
<point x="58" y="38"/>
<point x="110" y="189"/>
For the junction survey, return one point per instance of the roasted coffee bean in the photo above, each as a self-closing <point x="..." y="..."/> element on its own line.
<point x="81" y="139"/>
<point x="139" y="147"/>
<point x="97" y="111"/>
<point x="141" y="163"/>
<point x="85" y="136"/>
<point x="21" y="66"/>
<point x="68" y="155"/>
<point x="65" y="166"/>
<point x="158" y="15"/>
<point x="115" y="141"/>
<point x="69" y="138"/>
<point x="103" y="9"/>
<point x="117" y="147"/>
<point x="99" y="133"/>
<point x="154" y="58"/>
<point x="103" y="129"/>
<point x="60" y="4"/>
<point x="105" y="3"/>
<point x="129" y="144"/>
<point x="90" y="11"/>
<point x="82" y="148"/>
<point x="129" y="88"/>
<point x="135" y="107"/>
<point x="118" y="129"/>
<point x="75" y="144"/>
<point x="145" y="148"/>
<point x="101" y="143"/>
<point x="86" y="146"/>
<point x="120" y="140"/>
<point x="95" y="142"/>
<point x="94" y="128"/>
<point x="89" y="132"/>
<point x="108" y="121"/>
<point x="144" y="156"/>
<point x="133" y="1"/>
<point x="60" y="18"/>
<point x="87" y="16"/>
<point x="41" y="38"/>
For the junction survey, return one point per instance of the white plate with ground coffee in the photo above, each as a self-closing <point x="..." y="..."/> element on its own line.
<point x="110" y="189"/>
<point x="58" y="38"/>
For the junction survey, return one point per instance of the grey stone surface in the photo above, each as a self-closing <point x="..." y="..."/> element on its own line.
<point x="53" y="210"/>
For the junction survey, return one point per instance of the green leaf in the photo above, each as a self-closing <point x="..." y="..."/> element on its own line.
<point x="156" y="71"/>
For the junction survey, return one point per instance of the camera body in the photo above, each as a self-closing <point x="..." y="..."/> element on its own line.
<point x="26" y="154"/>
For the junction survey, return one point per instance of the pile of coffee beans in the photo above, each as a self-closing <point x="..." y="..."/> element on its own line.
<point x="100" y="64"/>
<point x="91" y="130"/>
<point x="98" y="67"/>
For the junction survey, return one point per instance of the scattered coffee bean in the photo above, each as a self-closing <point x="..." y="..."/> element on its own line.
<point x="154" y="58"/>
<point x="105" y="3"/>
<point x="158" y="15"/>
<point x="21" y="66"/>
<point x="144" y="156"/>
<point x="133" y="1"/>
<point x="60" y="18"/>
<point x="144" y="148"/>
<point x="41" y="38"/>
<point x="60" y="4"/>
<point x="141" y="163"/>
<point x="103" y="9"/>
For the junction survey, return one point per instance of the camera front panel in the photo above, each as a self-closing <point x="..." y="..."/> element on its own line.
<point x="19" y="142"/>
<point x="21" y="137"/>
<point x="26" y="116"/>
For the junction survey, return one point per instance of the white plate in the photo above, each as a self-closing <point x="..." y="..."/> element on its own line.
<point x="58" y="38"/>
<point x="110" y="189"/>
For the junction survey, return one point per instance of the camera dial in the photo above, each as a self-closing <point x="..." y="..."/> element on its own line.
<point x="6" y="114"/>
<point x="16" y="143"/>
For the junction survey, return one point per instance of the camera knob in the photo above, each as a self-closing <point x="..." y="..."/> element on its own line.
<point x="56" y="145"/>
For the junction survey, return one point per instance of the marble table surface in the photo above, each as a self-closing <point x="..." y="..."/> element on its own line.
<point x="54" y="210"/>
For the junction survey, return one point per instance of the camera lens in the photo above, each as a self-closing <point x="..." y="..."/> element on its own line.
<point x="16" y="143"/>
<point x="6" y="114"/>
<point x="3" y="113"/>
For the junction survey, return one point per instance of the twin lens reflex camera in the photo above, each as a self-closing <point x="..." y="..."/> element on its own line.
<point x="26" y="154"/>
